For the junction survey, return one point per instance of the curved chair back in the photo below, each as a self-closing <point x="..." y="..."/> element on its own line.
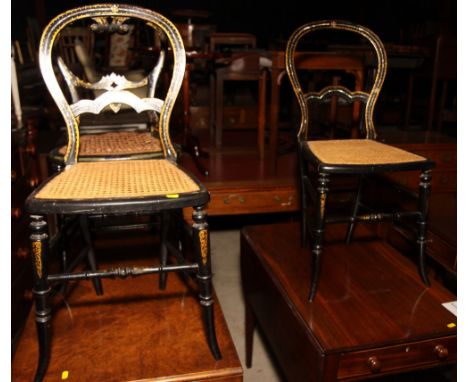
<point x="112" y="18"/>
<point x="367" y="98"/>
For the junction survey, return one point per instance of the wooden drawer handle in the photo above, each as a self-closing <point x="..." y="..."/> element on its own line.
<point x="14" y="175"/>
<point x="374" y="364"/>
<point x="441" y="352"/>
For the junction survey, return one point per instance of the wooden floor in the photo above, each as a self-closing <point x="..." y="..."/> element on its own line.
<point x="134" y="332"/>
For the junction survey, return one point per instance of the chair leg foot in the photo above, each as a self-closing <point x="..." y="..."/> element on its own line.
<point x="43" y="335"/>
<point x="315" y="274"/>
<point x="422" y="270"/>
<point x="208" y="318"/>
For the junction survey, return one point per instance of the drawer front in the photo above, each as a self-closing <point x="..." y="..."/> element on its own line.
<point x="398" y="358"/>
<point x="243" y="202"/>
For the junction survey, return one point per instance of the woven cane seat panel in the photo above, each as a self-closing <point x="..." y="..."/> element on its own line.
<point x="118" y="179"/>
<point x="360" y="152"/>
<point x="117" y="143"/>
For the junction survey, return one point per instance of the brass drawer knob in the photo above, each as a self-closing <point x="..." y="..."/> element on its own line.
<point x="374" y="364"/>
<point x="441" y="352"/>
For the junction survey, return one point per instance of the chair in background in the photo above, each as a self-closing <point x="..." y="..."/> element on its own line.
<point x="116" y="187"/>
<point x="240" y="64"/>
<point x="440" y="71"/>
<point x="319" y="160"/>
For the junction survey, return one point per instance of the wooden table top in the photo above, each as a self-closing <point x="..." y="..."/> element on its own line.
<point x="133" y="332"/>
<point x="369" y="294"/>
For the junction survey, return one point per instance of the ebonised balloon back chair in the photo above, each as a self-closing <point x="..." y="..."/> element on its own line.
<point x="111" y="186"/>
<point x="320" y="159"/>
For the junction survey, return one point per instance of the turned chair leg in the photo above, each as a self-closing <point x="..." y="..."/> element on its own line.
<point x="424" y="193"/>
<point x="41" y="290"/>
<point x="165" y="219"/>
<point x="84" y="224"/>
<point x="317" y="246"/>
<point x="357" y="201"/>
<point x="201" y="241"/>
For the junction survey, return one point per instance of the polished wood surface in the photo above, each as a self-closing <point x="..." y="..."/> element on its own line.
<point x="133" y="332"/>
<point x="371" y="303"/>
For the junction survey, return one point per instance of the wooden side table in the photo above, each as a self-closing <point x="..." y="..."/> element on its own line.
<point x="371" y="316"/>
